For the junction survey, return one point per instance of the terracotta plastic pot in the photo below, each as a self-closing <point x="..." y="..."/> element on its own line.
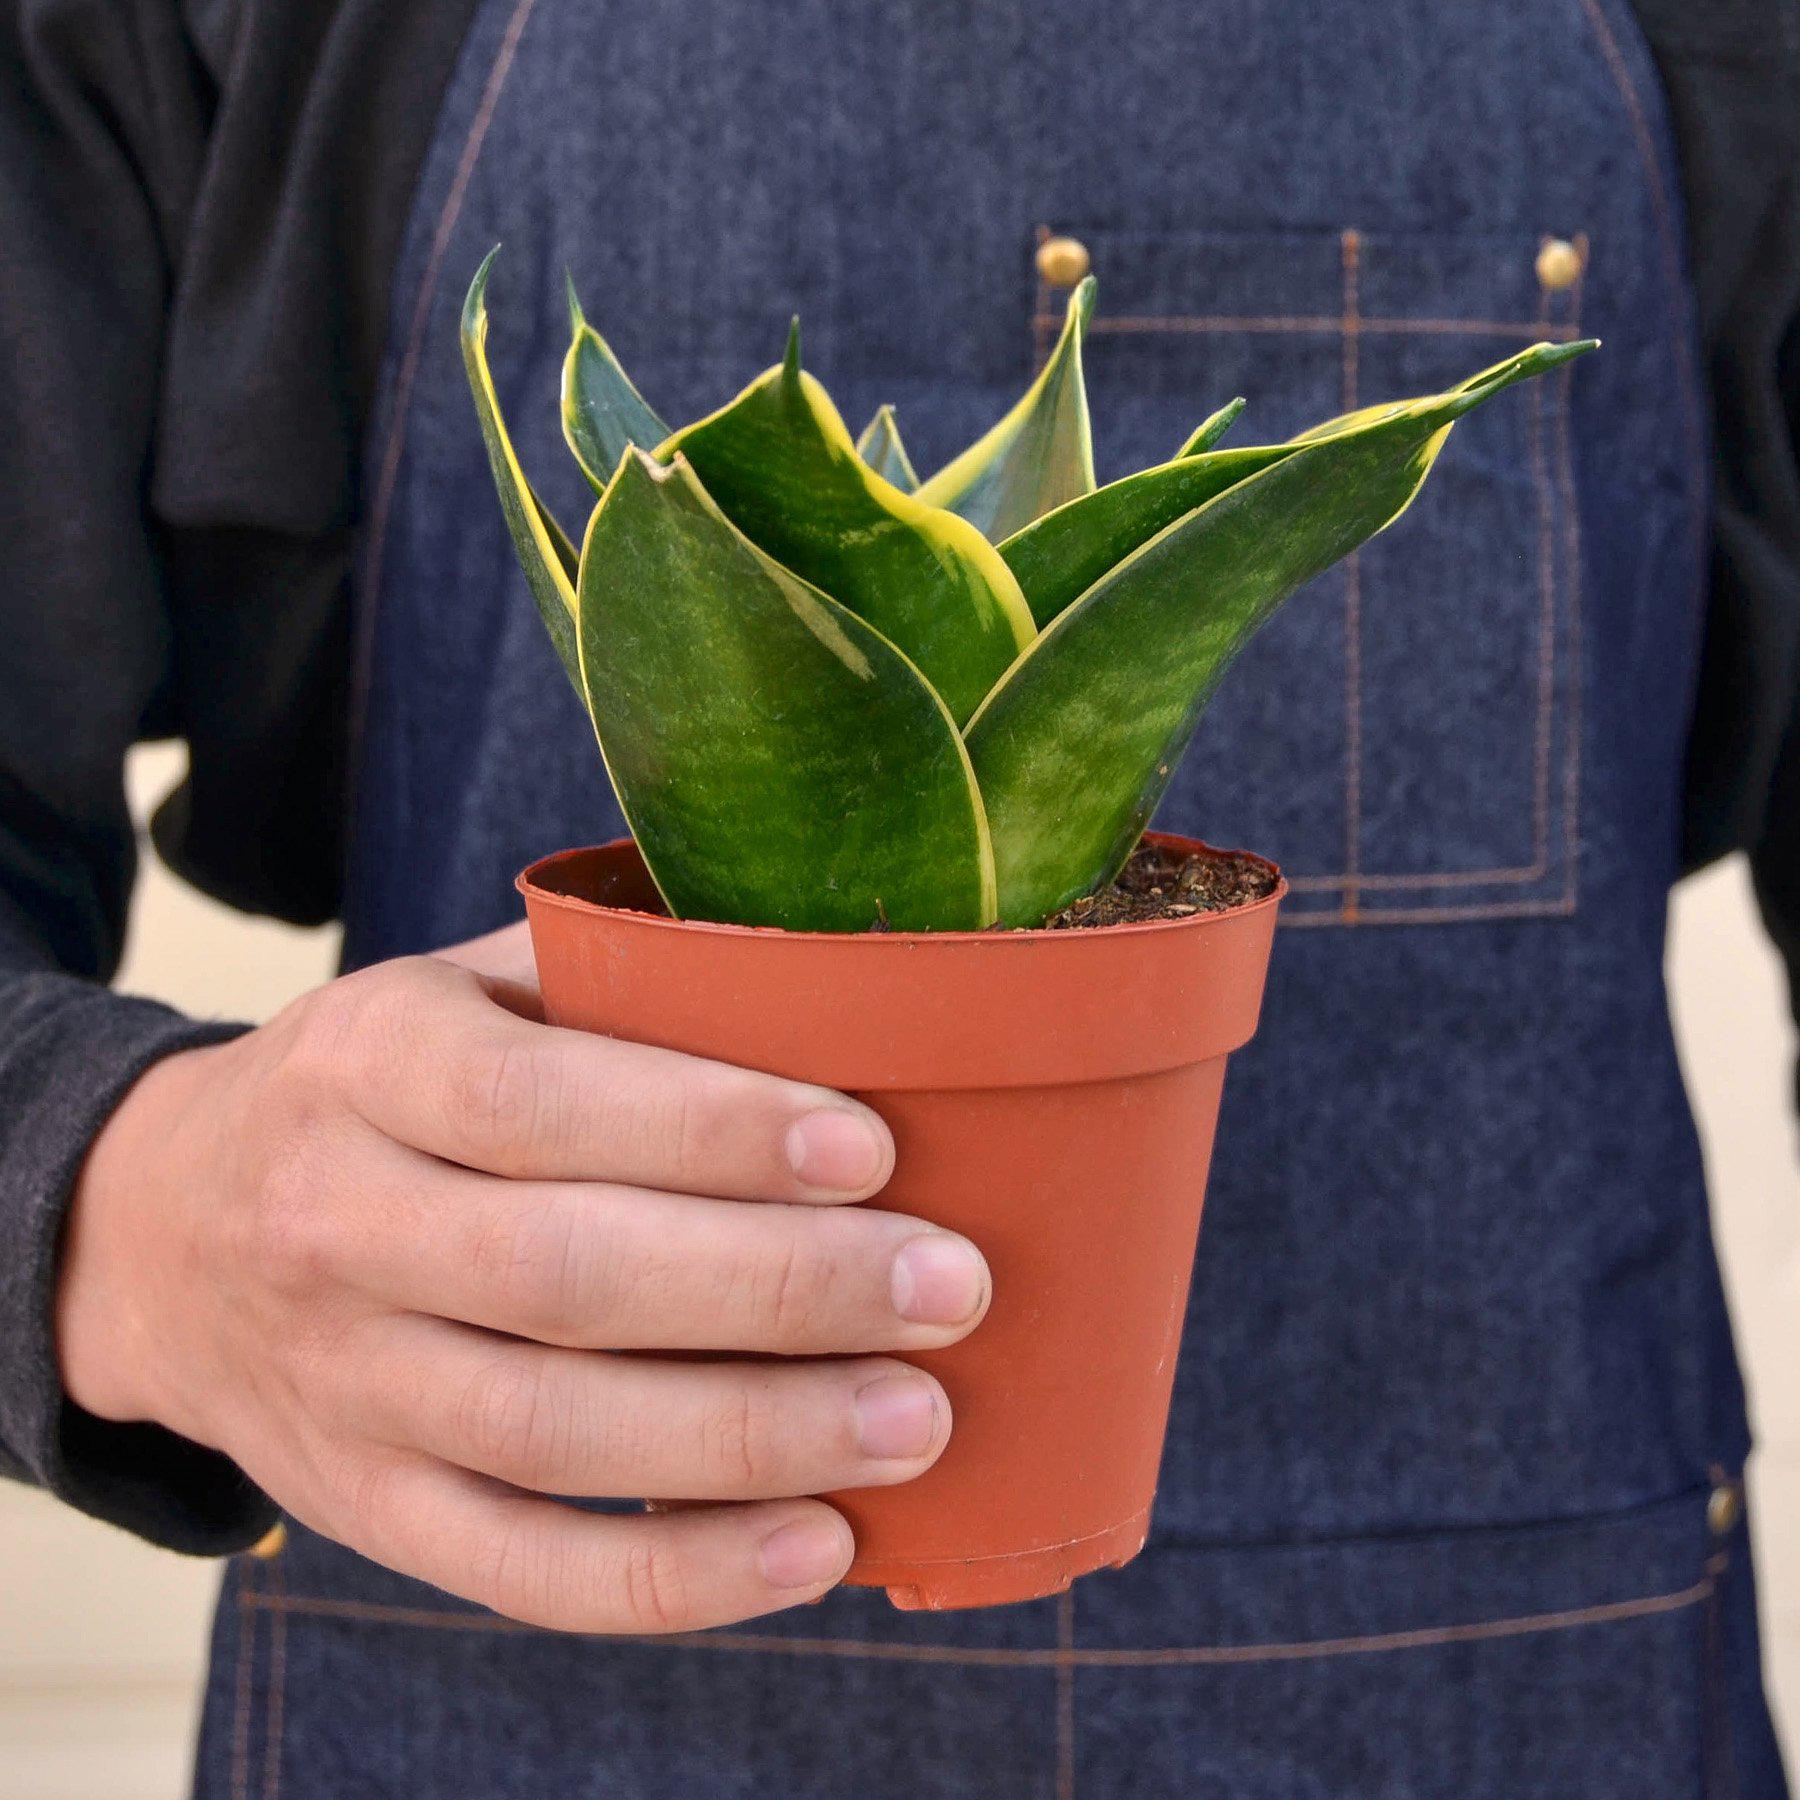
<point x="1052" y="1096"/>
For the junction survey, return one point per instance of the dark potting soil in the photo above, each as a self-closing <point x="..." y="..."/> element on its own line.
<point x="1157" y="885"/>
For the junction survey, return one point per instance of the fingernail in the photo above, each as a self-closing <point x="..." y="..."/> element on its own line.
<point x="896" y="1417"/>
<point x="836" y="1150"/>
<point x="938" y="1280"/>
<point x="803" y="1554"/>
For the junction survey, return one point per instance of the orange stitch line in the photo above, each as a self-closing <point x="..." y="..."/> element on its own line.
<point x="420" y="322"/>
<point x="240" y="1712"/>
<point x="1669" y="240"/>
<point x="749" y="1643"/>
<point x="1040" y="319"/>
<point x="1565" y="479"/>
<point x="374" y="545"/>
<point x="1322" y="324"/>
<point x="276" y="1721"/>
<point x="1540" y="749"/>
<point x="1350" y="251"/>
<point x="1350" y="325"/>
<point x="1427" y="1638"/>
<point x="1560" y="908"/>
<point x="1536" y="869"/>
<point x="1065" y="1695"/>
<point x="1428" y="878"/>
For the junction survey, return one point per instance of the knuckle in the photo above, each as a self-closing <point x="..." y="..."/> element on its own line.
<point x="359" y="1027"/>
<point x="648" y="1119"/>
<point x="295" y="1229"/>
<point x="741" y="1444"/>
<point x="502" y="1097"/>
<point x="534" y="1260"/>
<point x="509" y="1420"/>
<point x="366" y="1492"/>
<point x="514" y="1570"/>
<point x="792" y="1288"/>
<point x="656" y="1588"/>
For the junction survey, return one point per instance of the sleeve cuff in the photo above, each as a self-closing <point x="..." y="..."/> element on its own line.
<point x="69" y="1050"/>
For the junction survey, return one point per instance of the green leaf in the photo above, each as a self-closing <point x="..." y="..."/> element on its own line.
<point x="602" y="411"/>
<point x="1074" y="748"/>
<point x="880" y="447"/>
<point x="1059" y="557"/>
<point x="781" y="465"/>
<point x="543" y="547"/>
<point x="1212" y="428"/>
<point x="778" y="760"/>
<point x="1040" y="455"/>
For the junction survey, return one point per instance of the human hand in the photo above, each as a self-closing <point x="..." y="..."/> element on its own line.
<point x="409" y="1256"/>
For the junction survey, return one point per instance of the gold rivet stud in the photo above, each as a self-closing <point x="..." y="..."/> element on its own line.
<point x="1558" y="264"/>
<point x="1724" y="1507"/>
<point x="271" y="1543"/>
<point x="1063" y="261"/>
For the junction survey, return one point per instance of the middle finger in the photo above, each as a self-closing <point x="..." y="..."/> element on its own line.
<point x="600" y="1266"/>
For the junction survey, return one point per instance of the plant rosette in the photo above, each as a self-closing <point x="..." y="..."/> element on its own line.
<point x="879" y="742"/>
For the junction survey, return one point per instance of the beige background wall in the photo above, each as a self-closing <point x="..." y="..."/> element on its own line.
<point x="101" y="1637"/>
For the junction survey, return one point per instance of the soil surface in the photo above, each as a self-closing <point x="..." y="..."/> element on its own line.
<point x="1157" y="885"/>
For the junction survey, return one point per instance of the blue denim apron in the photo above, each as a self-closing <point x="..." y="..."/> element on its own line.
<point x="1448" y="1503"/>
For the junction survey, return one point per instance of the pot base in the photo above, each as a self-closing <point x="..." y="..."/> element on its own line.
<point x="1000" y="1580"/>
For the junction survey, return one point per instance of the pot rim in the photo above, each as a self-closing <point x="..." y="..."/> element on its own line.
<point x="529" y="883"/>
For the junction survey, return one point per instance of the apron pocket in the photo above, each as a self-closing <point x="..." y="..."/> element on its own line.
<point x="1404" y="737"/>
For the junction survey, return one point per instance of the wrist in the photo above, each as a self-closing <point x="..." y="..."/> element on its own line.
<point x="123" y="1239"/>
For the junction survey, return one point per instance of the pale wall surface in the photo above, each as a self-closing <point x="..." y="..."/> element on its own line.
<point x="101" y="1637"/>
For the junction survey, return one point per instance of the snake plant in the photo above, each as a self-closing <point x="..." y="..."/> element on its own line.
<point x="830" y="695"/>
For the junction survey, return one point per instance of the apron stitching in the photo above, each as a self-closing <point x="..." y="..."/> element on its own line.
<point x="1565" y="480"/>
<point x="240" y="1721"/>
<point x="1546" y="684"/>
<point x="1560" y="908"/>
<point x="1205" y="1655"/>
<point x="417" y="327"/>
<point x="373" y="550"/>
<point x="1350" y="253"/>
<point x="1519" y="872"/>
<point x="276" y="1718"/>
<point x="1043" y="321"/>
<point x="1351" y="324"/>
<point x="1321" y="324"/>
<point x="1669" y="241"/>
<point x="1065" y="1695"/>
<point x="1721" y="1756"/>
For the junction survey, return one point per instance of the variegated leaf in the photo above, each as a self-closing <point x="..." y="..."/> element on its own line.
<point x="1040" y="455"/>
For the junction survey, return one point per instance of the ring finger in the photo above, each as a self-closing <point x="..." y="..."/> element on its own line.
<point x="595" y="1424"/>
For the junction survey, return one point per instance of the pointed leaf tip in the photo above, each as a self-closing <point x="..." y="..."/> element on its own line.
<point x="602" y="411"/>
<point x="1081" y="302"/>
<point x="1212" y="428"/>
<point x="543" y="548"/>
<point x="475" y="301"/>
<point x="880" y="446"/>
<point x="1039" y="455"/>
<point x="790" y="361"/>
<point x="577" y="318"/>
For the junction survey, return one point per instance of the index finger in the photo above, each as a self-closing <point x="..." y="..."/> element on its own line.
<point x="456" y="1074"/>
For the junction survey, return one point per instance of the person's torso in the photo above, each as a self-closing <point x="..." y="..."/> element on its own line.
<point x="1456" y="1354"/>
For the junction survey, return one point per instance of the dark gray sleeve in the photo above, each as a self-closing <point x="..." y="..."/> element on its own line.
<point x="1732" y="75"/>
<point x="201" y="204"/>
<point x="70" y="1049"/>
<point x="102" y="117"/>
